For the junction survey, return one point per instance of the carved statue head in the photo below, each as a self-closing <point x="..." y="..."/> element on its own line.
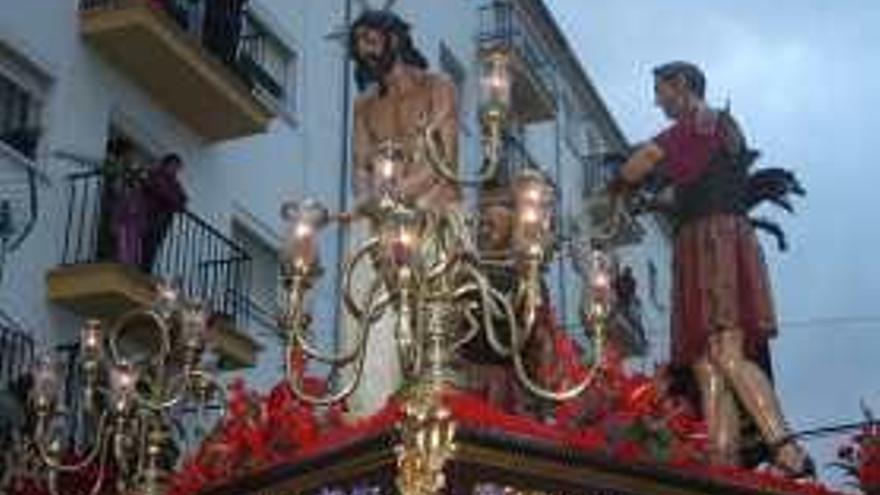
<point x="379" y="39"/>
<point x="495" y="221"/>
<point x="677" y="85"/>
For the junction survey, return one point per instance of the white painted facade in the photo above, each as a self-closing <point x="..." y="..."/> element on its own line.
<point x="242" y="182"/>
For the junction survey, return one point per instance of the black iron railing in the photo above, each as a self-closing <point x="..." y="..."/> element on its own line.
<point x="16" y="352"/>
<point x="16" y="360"/>
<point x="222" y="27"/>
<point x="503" y="24"/>
<point x="208" y="265"/>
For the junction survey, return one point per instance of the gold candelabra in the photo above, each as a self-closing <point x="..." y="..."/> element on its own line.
<point x="433" y="282"/>
<point x="130" y="403"/>
<point x="429" y="275"/>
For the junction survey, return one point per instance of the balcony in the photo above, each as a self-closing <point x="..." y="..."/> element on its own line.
<point x="16" y="352"/>
<point x="92" y="283"/>
<point x="505" y="26"/>
<point x="187" y="61"/>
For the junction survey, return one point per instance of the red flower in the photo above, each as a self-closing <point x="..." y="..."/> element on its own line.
<point x="629" y="450"/>
<point x="588" y="439"/>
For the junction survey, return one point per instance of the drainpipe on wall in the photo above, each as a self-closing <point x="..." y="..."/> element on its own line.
<point x="562" y="215"/>
<point x="344" y="175"/>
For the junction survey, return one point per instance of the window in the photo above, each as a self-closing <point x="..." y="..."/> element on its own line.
<point x="22" y="91"/>
<point x="577" y="127"/>
<point x="597" y="170"/>
<point x="268" y="64"/>
<point x="263" y="280"/>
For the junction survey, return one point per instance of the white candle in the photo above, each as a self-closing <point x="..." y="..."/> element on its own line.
<point x="306" y="219"/>
<point x="91" y="341"/>
<point x="46" y="381"/>
<point x="496" y="81"/>
<point x="123" y="379"/>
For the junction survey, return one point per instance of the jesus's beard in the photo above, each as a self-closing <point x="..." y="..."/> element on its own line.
<point x="378" y="67"/>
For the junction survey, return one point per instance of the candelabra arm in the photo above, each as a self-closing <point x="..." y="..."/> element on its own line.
<point x="54" y="464"/>
<point x="472" y="332"/>
<point x="438" y="270"/>
<point x="558" y="396"/>
<point x="203" y="381"/>
<point x="448" y="169"/>
<point x="467" y="310"/>
<point x="532" y="385"/>
<point x="607" y="232"/>
<point x="298" y="335"/>
<point x="565" y="394"/>
<point x="494" y="137"/>
<point x="351" y="265"/>
<point x="490" y="298"/>
<point x="528" y="299"/>
<point x="291" y="350"/>
<point x="162" y="403"/>
<point x="450" y="247"/>
<point x="297" y="323"/>
<point x="97" y="486"/>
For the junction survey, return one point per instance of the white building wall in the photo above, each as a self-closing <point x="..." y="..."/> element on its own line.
<point x="246" y="180"/>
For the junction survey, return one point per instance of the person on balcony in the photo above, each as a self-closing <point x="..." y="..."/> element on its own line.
<point x="626" y="336"/>
<point x="625" y="286"/>
<point x="123" y="208"/>
<point x="164" y="197"/>
<point x="723" y="314"/>
<point x="400" y="96"/>
<point x="119" y="153"/>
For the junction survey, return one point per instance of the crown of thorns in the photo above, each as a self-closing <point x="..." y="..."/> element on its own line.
<point x="370" y="5"/>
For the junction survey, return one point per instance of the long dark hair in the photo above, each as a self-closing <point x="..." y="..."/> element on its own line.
<point x="390" y="25"/>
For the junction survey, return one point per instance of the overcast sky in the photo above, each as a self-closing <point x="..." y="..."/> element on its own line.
<point x="803" y="78"/>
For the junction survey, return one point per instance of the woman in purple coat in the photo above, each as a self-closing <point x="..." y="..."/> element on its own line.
<point x="163" y="197"/>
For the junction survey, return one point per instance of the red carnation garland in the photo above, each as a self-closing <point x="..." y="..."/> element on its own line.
<point x="627" y="417"/>
<point x="259" y="432"/>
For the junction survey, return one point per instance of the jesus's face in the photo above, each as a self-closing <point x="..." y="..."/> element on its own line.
<point x="375" y="50"/>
